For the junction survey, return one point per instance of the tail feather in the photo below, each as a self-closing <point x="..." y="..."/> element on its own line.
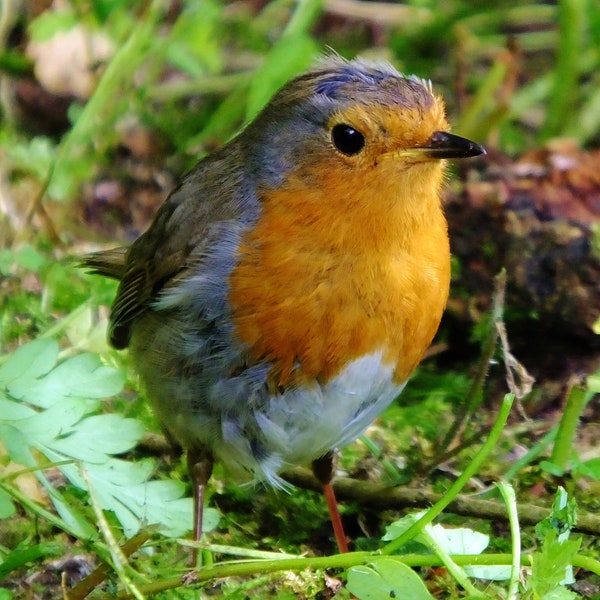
<point x="110" y="263"/>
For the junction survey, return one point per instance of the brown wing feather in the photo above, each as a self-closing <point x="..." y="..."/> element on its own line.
<point x="110" y="263"/>
<point x="208" y="194"/>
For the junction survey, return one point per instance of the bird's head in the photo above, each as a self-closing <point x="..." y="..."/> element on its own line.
<point x="349" y="124"/>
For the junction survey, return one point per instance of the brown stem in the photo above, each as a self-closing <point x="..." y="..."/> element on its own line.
<point x="377" y="495"/>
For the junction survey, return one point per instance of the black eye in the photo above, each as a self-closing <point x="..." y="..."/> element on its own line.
<point x="347" y="139"/>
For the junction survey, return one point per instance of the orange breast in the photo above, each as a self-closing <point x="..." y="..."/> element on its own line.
<point x="334" y="271"/>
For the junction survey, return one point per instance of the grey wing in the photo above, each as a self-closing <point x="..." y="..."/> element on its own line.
<point x="193" y="238"/>
<point x="150" y="262"/>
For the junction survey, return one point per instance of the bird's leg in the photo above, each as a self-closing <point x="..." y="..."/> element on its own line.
<point x="200" y="465"/>
<point x="323" y="470"/>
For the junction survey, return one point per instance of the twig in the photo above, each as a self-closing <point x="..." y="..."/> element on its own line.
<point x="98" y="575"/>
<point x="381" y="496"/>
<point x="519" y="381"/>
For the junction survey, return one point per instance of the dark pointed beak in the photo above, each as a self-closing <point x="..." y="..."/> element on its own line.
<point x="447" y="145"/>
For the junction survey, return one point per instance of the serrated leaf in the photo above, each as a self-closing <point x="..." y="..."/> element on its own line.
<point x="562" y="518"/>
<point x="166" y="507"/>
<point x="551" y="567"/>
<point x="46" y="426"/>
<point x="16" y="445"/>
<point x="148" y="503"/>
<point x="118" y="472"/>
<point x="561" y="593"/>
<point x="82" y="376"/>
<point x="97" y="437"/>
<point x="27" y="363"/>
<point x="64" y="429"/>
<point x="14" y="411"/>
<point x="122" y="487"/>
<point x="386" y="578"/>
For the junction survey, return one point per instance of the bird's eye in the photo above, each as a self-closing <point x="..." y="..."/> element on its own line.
<point x="347" y="140"/>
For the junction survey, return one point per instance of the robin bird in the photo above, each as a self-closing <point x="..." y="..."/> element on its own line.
<point x="291" y="283"/>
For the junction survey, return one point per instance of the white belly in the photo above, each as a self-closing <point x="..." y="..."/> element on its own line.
<point x="291" y="428"/>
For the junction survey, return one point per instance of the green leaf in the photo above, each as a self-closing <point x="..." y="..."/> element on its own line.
<point x="562" y="518"/>
<point x="166" y="507"/>
<point x="16" y="445"/>
<point x="29" y="258"/>
<point x="115" y="472"/>
<point x="444" y="542"/>
<point x="464" y="541"/>
<point x="552" y="566"/>
<point x="560" y="593"/>
<point x="47" y="426"/>
<point x="14" y="411"/>
<point x="397" y="528"/>
<point x="98" y="436"/>
<point x="22" y="555"/>
<point x="457" y="541"/>
<point x="63" y="428"/>
<point x="27" y="363"/>
<point x="386" y="578"/>
<point x="452" y="541"/>
<point x="82" y="376"/>
<point x="123" y="488"/>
